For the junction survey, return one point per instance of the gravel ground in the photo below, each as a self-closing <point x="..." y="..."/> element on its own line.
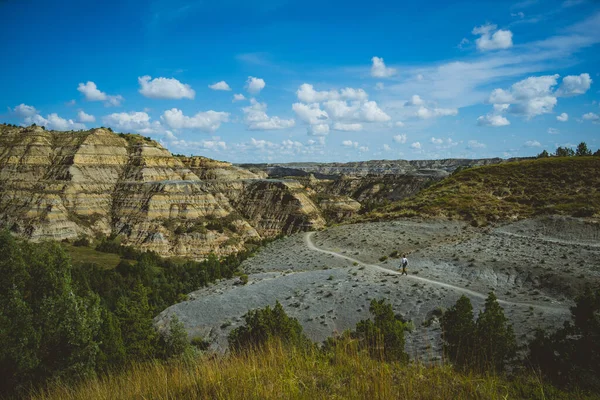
<point x="326" y="279"/>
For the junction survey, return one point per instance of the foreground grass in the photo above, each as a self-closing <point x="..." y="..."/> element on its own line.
<point x="522" y="189"/>
<point x="279" y="373"/>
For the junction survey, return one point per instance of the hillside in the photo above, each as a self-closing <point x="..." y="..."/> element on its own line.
<point x="510" y="191"/>
<point x="64" y="185"/>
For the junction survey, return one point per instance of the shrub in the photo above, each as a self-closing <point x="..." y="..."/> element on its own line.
<point x="82" y="242"/>
<point x="244" y="279"/>
<point x="264" y="325"/>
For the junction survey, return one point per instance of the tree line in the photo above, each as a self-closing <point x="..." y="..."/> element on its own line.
<point x="581" y="150"/>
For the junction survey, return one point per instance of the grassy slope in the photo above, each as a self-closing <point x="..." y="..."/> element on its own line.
<point x="569" y="186"/>
<point x="88" y="255"/>
<point x="277" y="373"/>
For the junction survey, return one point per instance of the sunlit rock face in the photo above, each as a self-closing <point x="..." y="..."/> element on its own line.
<point x="61" y="185"/>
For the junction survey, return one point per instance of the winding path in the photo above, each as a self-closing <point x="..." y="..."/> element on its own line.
<point x="553" y="309"/>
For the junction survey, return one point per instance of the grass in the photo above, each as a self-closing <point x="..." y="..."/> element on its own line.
<point x="88" y="255"/>
<point x="276" y="372"/>
<point x="515" y="190"/>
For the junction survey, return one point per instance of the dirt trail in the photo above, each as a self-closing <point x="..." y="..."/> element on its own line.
<point x="553" y="309"/>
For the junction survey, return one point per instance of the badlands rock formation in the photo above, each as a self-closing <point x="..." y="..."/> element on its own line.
<point x="61" y="185"/>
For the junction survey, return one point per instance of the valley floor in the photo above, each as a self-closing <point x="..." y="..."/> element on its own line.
<point x="326" y="279"/>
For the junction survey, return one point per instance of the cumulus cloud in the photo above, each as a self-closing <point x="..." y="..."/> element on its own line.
<point x="532" y="143"/>
<point x="474" y="144"/>
<point x="535" y="96"/>
<point x="595" y="118"/>
<point x="255" y="85"/>
<point x="492" y="39"/>
<point x="435" y="140"/>
<point x="379" y="70"/>
<point x="400" y="138"/>
<point x="83" y="117"/>
<point x="53" y="121"/>
<point x="363" y="149"/>
<point x="164" y="88"/>
<point x="355" y="111"/>
<point x="415" y="100"/>
<point x="256" y="118"/>
<point x="134" y="121"/>
<point x="24" y="111"/>
<point x="238" y="97"/>
<point x="564" y="117"/>
<point x="338" y="126"/>
<point x="574" y="85"/>
<point x="492" y="120"/>
<point x="222" y="85"/>
<point x="92" y="93"/>
<point x="386" y="147"/>
<point x="318" y="130"/>
<point x="349" y="143"/>
<point x="399" y="124"/>
<point x="416" y="146"/>
<point x="207" y="121"/>
<point x="427" y="113"/>
<point x="310" y="113"/>
<point x="307" y="94"/>
<point x="553" y="131"/>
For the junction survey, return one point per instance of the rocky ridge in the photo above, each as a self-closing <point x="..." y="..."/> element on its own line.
<point x="62" y="185"/>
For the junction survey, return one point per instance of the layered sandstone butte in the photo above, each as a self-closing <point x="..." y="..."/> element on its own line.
<point x="61" y="185"/>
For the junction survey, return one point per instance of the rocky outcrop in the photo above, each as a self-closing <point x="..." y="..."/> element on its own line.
<point x="61" y="185"/>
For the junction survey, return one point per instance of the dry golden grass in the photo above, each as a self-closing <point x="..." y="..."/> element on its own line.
<point x="279" y="373"/>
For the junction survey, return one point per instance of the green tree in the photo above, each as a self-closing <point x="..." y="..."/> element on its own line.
<point x="597" y="153"/>
<point x="384" y="336"/>
<point x="263" y="325"/>
<point x="458" y="333"/>
<point x="543" y="154"/>
<point x="582" y="150"/>
<point x="174" y="339"/>
<point x="564" y="152"/>
<point x="496" y="342"/>
<point x="135" y="318"/>
<point x="112" y="349"/>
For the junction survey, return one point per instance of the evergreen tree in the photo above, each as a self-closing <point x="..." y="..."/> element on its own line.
<point x="597" y="153"/>
<point x="564" y="152"/>
<point x="543" y="154"/>
<point x="496" y="342"/>
<point x="135" y="318"/>
<point x="383" y="337"/>
<point x="582" y="150"/>
<point x="174" y="340"/>
<point x="112" y="350"/>
<point x="458" y="333"/>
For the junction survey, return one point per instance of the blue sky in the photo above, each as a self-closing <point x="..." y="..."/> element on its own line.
<point x="282" y="80"/>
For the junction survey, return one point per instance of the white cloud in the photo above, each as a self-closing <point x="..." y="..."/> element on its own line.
<point x="349" y="143"/>
<point x="338" y="126"/>
<point x="92" y="93"/>
<point x="436" y="140"/>
<point x="427" y="113"/>
<point x="164" y="88"/>
<point x="53" y="121"/>
<point x="83" y="117"/>
<point x="416" y="146"/>
<point x="553" y="131"/>
<point x="207" y="121"/>
<point x="492" y="120"/>
<point x="307" y="94"/>
<point x="134" y="121"/>
<point x="499" y="39"/>
<point x="222" y="85"/>
<point x="400" y="138"/>
<point x="355" y="111"/>
<point x="24" y="111"/>
<point x="399" y="124"/>
<point x="379" y="70"/>
<point x="291" y="144"/>
<point x="574" y="85"/>
<point x="363" y="149"/>
<point x="255" y="85"/>
<point x="535" y="106"/>
<point x="238" y="97"/>
<point x="318" y="130"/>
<point x="532" y="143"/>
<point x="564" y="117"/>
<point x="415" y="100"/>
<point x="256" y="118"/>
<point x="379" y="86"/>
<point x="595" y="118"/>
<point x="500" y="96"/>
<point x="386" y="147"/>
<point x="310" y="113"/>
<point x="474" y="144"/>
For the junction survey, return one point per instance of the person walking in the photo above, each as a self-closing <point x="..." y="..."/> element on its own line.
<point x="404" y="263"/>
